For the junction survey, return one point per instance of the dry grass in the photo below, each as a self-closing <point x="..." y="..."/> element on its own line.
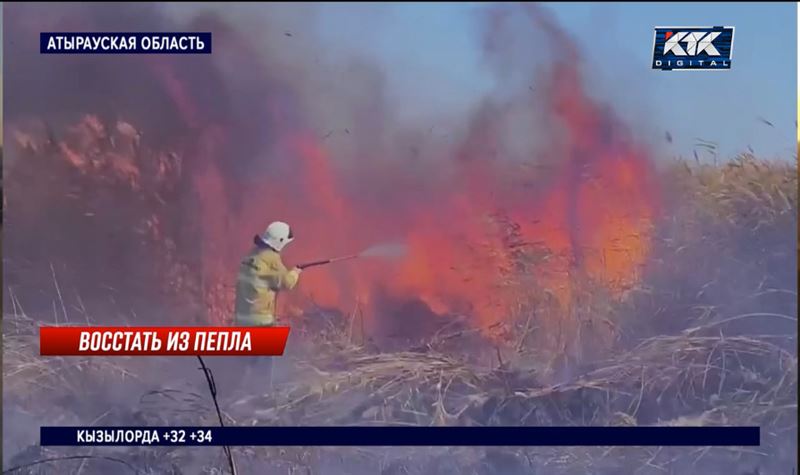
<point x="708" y="338"/>
<point x="688" y="373"/>
<point x="26" y="374"/>
<point x="717" y="367"/>
<point x="699" y="377"/>
<point x="746" y="193"/>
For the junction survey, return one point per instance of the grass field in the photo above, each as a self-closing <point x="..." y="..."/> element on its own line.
<point x="707" y="337"/>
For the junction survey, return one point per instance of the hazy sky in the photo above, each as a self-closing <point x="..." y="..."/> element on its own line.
<point x="431" y="54"/>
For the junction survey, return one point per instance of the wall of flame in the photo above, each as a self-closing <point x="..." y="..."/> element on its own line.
<point x="485" y="232"/>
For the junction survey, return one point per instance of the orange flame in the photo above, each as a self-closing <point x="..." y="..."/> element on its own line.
<point x="593" y="217"/>
<point x="466" y="226"/>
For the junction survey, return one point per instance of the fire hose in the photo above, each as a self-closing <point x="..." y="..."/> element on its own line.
<point x="385" y="250"/>
<point x="326" y="261"/>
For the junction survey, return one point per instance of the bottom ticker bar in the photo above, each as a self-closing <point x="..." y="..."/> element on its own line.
<point x="402" y="436"/>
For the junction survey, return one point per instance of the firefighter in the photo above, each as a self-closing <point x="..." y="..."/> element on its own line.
<point x="262" y="275"/>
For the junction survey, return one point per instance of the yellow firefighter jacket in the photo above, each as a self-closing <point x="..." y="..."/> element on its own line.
<point x="261" y="276"/>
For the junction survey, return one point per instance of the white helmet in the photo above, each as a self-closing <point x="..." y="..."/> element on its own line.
<point x="277" y="235"/>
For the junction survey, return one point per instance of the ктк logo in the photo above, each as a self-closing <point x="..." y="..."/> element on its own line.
<point x="693" y="48"/>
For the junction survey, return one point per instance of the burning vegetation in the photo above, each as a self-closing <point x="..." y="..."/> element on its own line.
<point x="471" y="219"/>
<point x="558" y="275"/>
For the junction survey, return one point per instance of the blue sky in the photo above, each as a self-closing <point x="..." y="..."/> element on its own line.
<point x="431" y="56"/>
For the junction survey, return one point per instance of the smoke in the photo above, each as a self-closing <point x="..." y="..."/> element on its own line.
<point x="273" y="126"/>
<point x="168" y="97"/>
<point x="539" y="179"/>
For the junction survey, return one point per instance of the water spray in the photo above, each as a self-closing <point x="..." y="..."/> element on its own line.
<point x="385" y="250"/>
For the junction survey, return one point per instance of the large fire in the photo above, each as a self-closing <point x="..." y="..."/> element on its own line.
<point x="592" y="217"/>
<point x="479" y="240"/>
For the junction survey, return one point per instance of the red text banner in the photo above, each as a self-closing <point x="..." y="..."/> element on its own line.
<point x="162" y="341"/>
